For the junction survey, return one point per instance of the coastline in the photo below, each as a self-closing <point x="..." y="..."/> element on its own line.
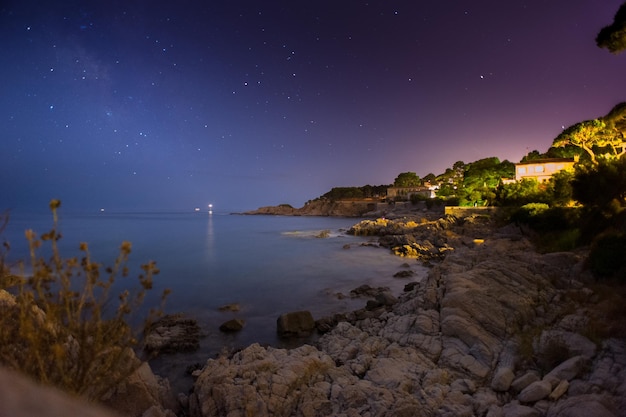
<point x="495" y="328"/>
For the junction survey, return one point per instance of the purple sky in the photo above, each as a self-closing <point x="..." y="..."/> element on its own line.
<point x="177" y="104"/>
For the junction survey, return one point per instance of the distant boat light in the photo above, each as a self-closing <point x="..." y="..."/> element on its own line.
<point x="196" y="209"/>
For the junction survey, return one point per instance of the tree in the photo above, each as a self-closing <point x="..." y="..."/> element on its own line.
<point x="560" y="188"/>
<point x="604" y="136"/>
<point x="532" y="156"/>
<point x="430" y="178"/>
<point x="602" y="186"/>
<point x="451" y="180"/>
<point x="482" y="177"/>
<point x="407" y="179"/>
<point x="519" y="193"/>
<point x="613" y="37"/>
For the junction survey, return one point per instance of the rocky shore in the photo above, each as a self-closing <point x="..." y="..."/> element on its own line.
<point x="495" y="329"/>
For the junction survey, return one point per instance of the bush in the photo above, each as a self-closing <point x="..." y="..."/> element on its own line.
<point x="543" y="218"/>
<point x="59" y="325"/>
<point x="606" y="258"/>
<point x="416" y="198"/>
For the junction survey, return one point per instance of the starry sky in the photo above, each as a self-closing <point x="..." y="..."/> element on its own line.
<point x="171" y="105"/>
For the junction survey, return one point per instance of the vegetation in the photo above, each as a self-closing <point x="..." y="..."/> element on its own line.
<point x="613" y="37"/>
<point x="366" y="191"/>
<point x="58" y="322"/>
<point x="481" y="178"/>
<point x="604" y="137"/>
<point x="599" y="220"/>
<point x="606" y="259"/>
<point x="602" y="187"/>
<point x="451" y="180"/>
<point x="474" y="183"/>
<point x="556" y="192"/>
<point x="407" y="179"/>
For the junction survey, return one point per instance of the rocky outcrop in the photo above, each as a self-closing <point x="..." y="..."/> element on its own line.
<point x="320" y="208"/>
<point x="143" y="394"/>
<point x="473" y="338"/>
<point x="171" y="334"/>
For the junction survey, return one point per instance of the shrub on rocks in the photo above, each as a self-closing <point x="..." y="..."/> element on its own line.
<point x="60" y="326"/>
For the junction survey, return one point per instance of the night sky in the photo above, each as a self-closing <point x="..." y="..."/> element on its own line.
<point x="171" y="105"/>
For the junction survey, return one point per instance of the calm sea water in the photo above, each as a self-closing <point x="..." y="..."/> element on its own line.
<point x="269" y="265"/>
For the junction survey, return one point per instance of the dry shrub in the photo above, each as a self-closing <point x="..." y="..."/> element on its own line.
<point x="59" y="324"/>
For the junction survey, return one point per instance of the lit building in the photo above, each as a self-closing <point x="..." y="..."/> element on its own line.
<point x="542" y="169"/>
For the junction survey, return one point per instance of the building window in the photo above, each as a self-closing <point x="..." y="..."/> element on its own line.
<point x="521" y="170"/>
<point x="539" y="168"/>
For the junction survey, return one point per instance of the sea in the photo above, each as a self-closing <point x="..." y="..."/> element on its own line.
<point x="268" y="265"/>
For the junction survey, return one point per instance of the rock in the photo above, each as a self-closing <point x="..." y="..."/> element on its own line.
<point x="299" y="323"/>
<point x="583" y="406"/>
<point x="502" y="379"/>
<point x="559" y="390"/>
<point x="404" y="274"/>
<point x="569" y="369"/>
<point x="518" y="410"/>
<point x="373" y="305"/>
<point x="525" y="380"/>
<point x="410" y="286"/>
<point x="173" y="333"/>
<point x="367" y="291"/>
<point x="233" y="325"/>
<point x="559" y="342"/>
<point x="385" y="298"/>
<point x="503" y="376"/>
<point x="466" y="386"/>
<point x="140" y="392"/>
<point x="234" y="307"/>
<point x="486" y="402"/>
<point x="448" y="346"/>
<point x="536" y="391"/>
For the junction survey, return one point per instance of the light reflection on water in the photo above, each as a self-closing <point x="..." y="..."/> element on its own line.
<point x="269" y="265"/>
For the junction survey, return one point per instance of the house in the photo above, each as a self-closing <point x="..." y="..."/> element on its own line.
<point x="542" y="169"/>
<point x="406" y="192"/>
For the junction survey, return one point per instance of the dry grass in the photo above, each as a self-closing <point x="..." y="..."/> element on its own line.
<point x="59" y="324"/>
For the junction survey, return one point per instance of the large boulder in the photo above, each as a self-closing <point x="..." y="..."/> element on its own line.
<point x="297" y="323"/>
